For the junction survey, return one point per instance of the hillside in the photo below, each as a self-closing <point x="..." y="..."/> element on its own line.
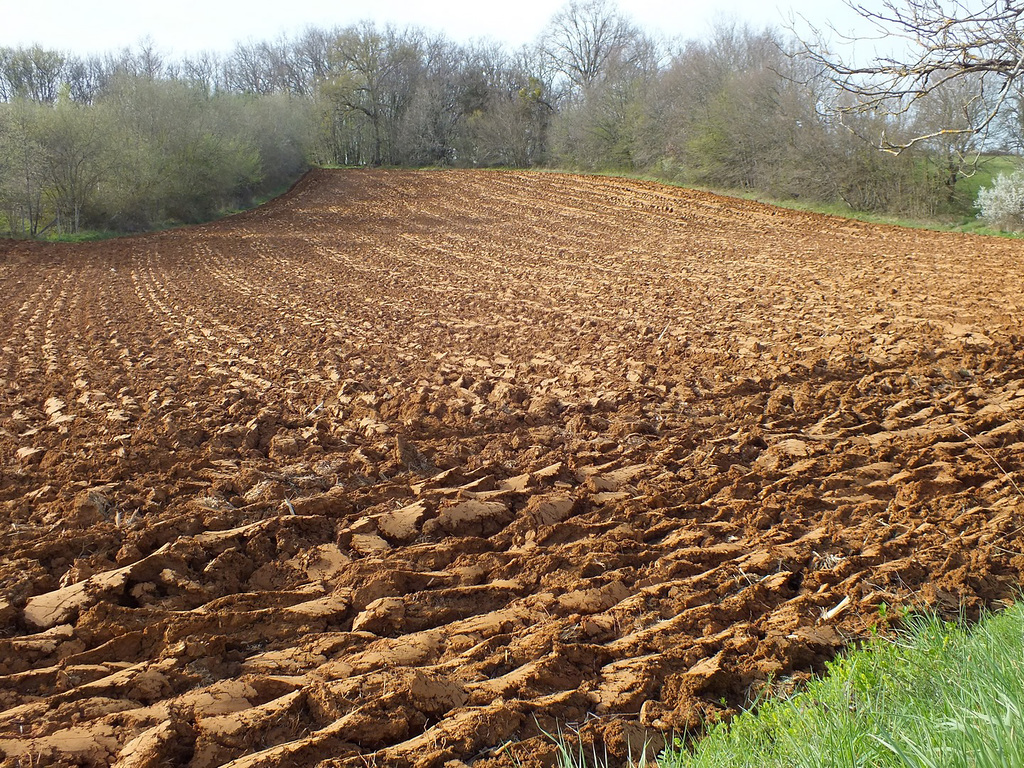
<point x="405" y="466"/>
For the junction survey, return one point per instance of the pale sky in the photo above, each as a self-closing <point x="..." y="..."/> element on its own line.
<point x="189" y="26"/>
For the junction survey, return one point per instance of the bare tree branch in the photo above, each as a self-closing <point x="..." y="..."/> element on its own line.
<point x="945" y="42"/>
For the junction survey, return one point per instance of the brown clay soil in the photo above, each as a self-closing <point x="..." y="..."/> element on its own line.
<point x="406" y="468"/>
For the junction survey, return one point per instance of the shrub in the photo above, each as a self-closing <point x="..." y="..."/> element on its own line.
<point x="1002" y="204"/>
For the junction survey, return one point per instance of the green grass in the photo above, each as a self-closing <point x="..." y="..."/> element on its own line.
<point x="988" y="168"/>
<point x="937" y="694"/>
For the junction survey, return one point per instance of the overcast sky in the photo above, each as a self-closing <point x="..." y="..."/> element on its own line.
<point x="190" y="26"/>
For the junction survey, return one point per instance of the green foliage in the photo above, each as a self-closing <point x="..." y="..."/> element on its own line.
<point x="984" y="172"/>
<point x="22" y="199"/>
<point x="146" y="153"/>
<point x="74" y="155"/>
<point x="183" y="155"/>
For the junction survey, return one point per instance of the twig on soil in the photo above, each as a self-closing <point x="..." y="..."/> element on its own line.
<point x="831" y="613"/>
<point x="291" y="509"/>
<point x="1006" y="551"/>
<point x="750" y="578"/>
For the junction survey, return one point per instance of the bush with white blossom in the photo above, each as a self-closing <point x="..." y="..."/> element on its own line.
<point x="1002" y="204"/>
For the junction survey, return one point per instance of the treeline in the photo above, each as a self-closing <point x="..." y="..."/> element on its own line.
<point x="131" y="140"/>
<point x="126" y="144"/>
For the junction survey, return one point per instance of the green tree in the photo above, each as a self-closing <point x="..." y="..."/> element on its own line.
<point x="74" y="157"/>
<point x="182" y="155"/>
<point x="21" y="180"/>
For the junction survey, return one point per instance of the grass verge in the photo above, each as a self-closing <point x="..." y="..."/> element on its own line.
<point x="936" y="694"/>
<point x="966" y="222"/>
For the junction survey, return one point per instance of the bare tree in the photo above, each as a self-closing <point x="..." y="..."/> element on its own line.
<point x="85" y="78"/>
<point x="204" y="70"/>
<point x="375" y="76"/>
<point x="144" y="60"/>
<point x="253" y="67"/>
<point x="506" y="108"/>
<point x="584" y="37"/>
<point x="33" y="73"/>
<point x="600" y="128"/>
<point x="313" y="53"/>
<point x="937" y="44"/>
<point x="431" y="122"/>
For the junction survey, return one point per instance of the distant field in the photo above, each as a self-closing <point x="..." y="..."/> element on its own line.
<point x="989" y="167"/>
<point x="411" y="467"/>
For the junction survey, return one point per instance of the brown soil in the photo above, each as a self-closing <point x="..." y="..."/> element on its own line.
<point x="406" y="468"/>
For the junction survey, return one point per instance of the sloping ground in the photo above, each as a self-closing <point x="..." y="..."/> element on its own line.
<point x="406" y="467"/>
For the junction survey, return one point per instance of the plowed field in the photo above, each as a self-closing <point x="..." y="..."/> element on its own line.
<point x="406" y="468"/>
